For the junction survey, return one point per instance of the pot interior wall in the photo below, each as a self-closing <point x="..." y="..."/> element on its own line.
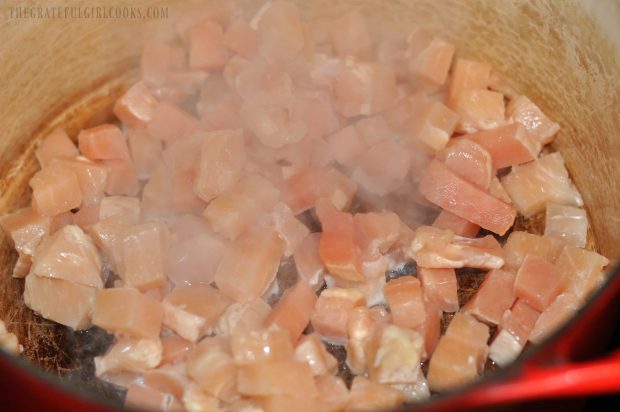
<point x="67" y="72"/>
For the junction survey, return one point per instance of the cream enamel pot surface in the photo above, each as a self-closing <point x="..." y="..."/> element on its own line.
<point x="565" y="55"/>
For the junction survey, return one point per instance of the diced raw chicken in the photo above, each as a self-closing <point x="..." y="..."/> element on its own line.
<point x="249" y="265"/>
<point x="319" y="115"/>
<point x="127" y="311"/>
<point x="195" y="399"/>
<point x="168" y="379"/>
<point x="135" y="107"/>
<point x="538" y="282"/>
<point x="103" y="142"/>
<point x="60" y="221"/>
<point x="363" y="88"/>
<point x="494" y="296"/>
<point x="432" y="123"/>
<point x="108" y="235"/>
<point x="142" y="397"/>
<point x="515" y="329"/>
<point x="230" y="213"/>
<point x="396" y="355"/>
<point x="436" y="248"/>
<point x="211" y="365"/>
<point x="71" y="255"/>
<point x="349" y="35"/>
<point x="523" y="110"/>
<point x="56" y="144"/>
<point x="190" y="310"/>
<point x="276" y="378"/>
<point x="338" y="248"/>
<point x="346" y="145"/>
<point x="331" y="312"/>
<point x="206" y="47"/>
<point x="376" y="233"/>
<point x="433" y="62"/>
<point x="125" y="206"/>
<point x="261" y="345"/>
<point x="509" y="145"/>
<point x="221" y="162"/>
<point x="8" y="341"/>
<point x="144" y="247"/>
<point x="414" y="392"/>
<point x="264" y="81"/>
<point x="521" y="244"/>
<point x="366" y="395"/>
<point x="382" y="168"/>
<point x="497" y="191"/>
<point x="373" y="129"/>
<point x="293" y="310"/>
<point x="92" y="178"/>
<point x="554" y="316"/>
<point x="311" y="350"/>
<point x="459" y="355"/>
<point x="406" y="301"/>
<point x="469" y="75"/>
<point x="301" y="191"/>
<point x="447" y="190"/>
<point x="308" y="261"/>
<point x="174" y="349"/>
<point x="582" y="270"/>
<point x="146" y="153"/>
<point x="169" y="123"/>
<point x="65" y="302"/>
<point x="290" y="229"/>
<point x="440" y="287"/>
<point x="531" y="186"/>
<point x="567" y="223"/>
<point x="26" y="229"/>
<point x="241" y="38"/>
<point x="459" y="226"/>
<point x="158" y="59"/>
<point x="242" y="317"/>
<point x="478" y="110"/>
<point x="431" y="330"/>
<point x="127" y="354"/>
<point x="277" y="124"/>
<point x="56" y="189"/>
<point x="332" y="392"/>
<point x="122" y="178"/>
<point x="195" y="259"/>
<point x="285" y="403"/>
<point x="281" y="31"/>
<point x="470" y="161"/>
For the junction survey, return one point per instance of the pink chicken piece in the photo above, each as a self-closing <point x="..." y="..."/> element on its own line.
<point x="293" y="310"/>
<point x="55" y="189"/>
<point x="461" y="227"/>
<point x="459" y="355"/>
<point x="108" y="235"/>
<point x="249" y="265"/>
<point x="195" y="260"/>
<point x="92" y="178"/>
<point x="231" y="212"/>
<point x="121" y="179"/>
<point x="436" y="248"/>
<point x="207" y="50"/>
<point x="129" y="355"/>
<point x="447" y="190"/>
<point x="566" y="223"/>
<point x="538" y="282"/>
<point x="174" y="349"/>
<point x="470" y="161"/>
<point x="582" y="270"/>
<point x="135" y="107"/>
<point x="169" y="123"/>
<point x="406" y="301"/>
<point x="310" y="349"/>
<point x="211" y="365"/>
<point x="59" y="300"/>
<point x="469" y="75"/>
<point x="143" y="248"/>
<point x="190" y="310"/>
<point x="158" y="61"/>
<point x="497" y="191"/>
<point x="263" y="80"/>
<point x="361" y="327"/>
<point x="285" y="403"/>
<point x="56" y="144"/>
<point x="478" y="110"/>
<point x="431" y="124"/>
<point x="125" y="206"/>
<point x="276" y="125"/>
<point x="338" y="247"/>
<point x="281" y="31"/>
<point x="127" y="311"/>
<point x="375" y="234"/>
<point x="349" y="35"/>
<point x="515" y="328"/>
<point x="520" y="244"/>
<point x="531" y="186"/>
<point x="363" y="88"/>
<point x="440" y="287"/>
<point x="261" y="345"/>
<point x="366" y="395"/>
<point x="221" y="162"/>
<point x="432" y="63"/>
<point x="522" y="110"/>
<point x="331" y="312"/>
<point x="308" y="261"/>
<point x="146" y="153"/>
<point x="71" y="255"/>
<point x="376" y="175"/>
<point x="103" y="142"/>
<point x="373" y="129"/>
<point x="554" y="316"/>
<point x="301" y="190"/>
<point x="508" y="145"/>
<point x="241" y="38"/>
<point x="290" y="229"/>
<point x="26" y="229"/>
<point x="277" y="378"/>
<point x="495" y="295"/>
<point x="143" y="397"/>
<point x="346" y="145"/>
<point x="319" y="114"/>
